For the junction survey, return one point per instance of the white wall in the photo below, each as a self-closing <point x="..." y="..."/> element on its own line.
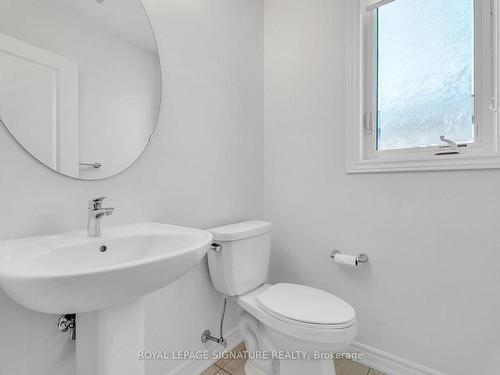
<point x="203" y="168"/>
<point x="119" y="82"/>
<point x="421" y="296"/>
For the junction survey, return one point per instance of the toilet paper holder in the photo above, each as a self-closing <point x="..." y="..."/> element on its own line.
<point x="361" y="258"/>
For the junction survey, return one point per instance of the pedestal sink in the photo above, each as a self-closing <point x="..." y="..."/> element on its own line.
<point x="101" y="280"/>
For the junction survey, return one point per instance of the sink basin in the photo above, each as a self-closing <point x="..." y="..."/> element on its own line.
<point x="70" y="273"/>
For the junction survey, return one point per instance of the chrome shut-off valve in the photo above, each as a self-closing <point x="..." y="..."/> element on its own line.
<point x="67" y="323"/>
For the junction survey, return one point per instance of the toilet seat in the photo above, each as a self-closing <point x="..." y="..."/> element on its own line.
<point x="305" y="306"/>
<point x="321" y="333"/>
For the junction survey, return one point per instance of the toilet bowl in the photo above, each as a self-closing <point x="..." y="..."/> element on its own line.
<point x="289" y="329"/>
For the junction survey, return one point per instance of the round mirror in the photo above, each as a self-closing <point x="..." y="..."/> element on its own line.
<point x="80" y="82"/>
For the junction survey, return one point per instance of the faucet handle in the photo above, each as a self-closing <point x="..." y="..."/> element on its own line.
<point x="96" y="204"/>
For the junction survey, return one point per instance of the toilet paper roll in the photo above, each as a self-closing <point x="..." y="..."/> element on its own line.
<point x="346" y="259"/>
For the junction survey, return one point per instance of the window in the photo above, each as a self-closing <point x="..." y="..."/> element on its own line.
<point x="425" y="73"/>
<point x="422" y="85"/>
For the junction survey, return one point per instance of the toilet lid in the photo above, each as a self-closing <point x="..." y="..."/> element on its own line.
<point x="305" y="304"/>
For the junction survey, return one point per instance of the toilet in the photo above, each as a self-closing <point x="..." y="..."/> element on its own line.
<point x="289" y="329"/>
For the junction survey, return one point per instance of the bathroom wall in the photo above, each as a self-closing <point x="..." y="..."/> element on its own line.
<point x="203" y="168"/>
<point x="430" y="291"/>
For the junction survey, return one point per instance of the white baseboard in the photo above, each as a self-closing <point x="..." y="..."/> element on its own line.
<point x="196" y="367"/>
<point x="388" y="363"/>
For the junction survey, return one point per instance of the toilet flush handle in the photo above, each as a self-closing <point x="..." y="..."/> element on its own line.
<point x="217" y="247"/>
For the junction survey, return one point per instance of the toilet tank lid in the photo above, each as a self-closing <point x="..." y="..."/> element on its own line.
<point x="240" y="231"/>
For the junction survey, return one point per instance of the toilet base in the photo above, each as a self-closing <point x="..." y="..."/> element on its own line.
<point x="264" y="333"/>
<point x="260" y="339"/>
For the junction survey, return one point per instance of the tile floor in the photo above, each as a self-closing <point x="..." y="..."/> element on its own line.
<point x="235" y="367"/>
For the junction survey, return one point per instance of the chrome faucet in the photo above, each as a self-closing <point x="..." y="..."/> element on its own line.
<point x="96" y="213"/>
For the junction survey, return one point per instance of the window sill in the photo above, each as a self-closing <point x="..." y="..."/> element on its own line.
<point x="441" y="163"/>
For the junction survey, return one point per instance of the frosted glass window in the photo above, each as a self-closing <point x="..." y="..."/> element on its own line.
<point x="425" y="73"/>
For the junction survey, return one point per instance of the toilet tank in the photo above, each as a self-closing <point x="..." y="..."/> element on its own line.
<point x="243" y="260"/>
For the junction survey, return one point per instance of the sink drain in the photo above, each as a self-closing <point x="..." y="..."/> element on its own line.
<point x="103" y="249"/>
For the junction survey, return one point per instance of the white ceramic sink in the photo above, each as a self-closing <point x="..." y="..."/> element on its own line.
<point x="68" y="273"/>
<point x="101" y="280"/>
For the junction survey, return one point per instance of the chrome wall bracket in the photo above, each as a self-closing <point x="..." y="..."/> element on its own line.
<point x="362" y="258"/>
<point x="67" y="323"/>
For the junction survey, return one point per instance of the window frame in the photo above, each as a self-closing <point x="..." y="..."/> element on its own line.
<point x="362" y="154"/>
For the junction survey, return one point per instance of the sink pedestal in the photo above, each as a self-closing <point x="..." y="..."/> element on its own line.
<point x="108" y="341"/>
